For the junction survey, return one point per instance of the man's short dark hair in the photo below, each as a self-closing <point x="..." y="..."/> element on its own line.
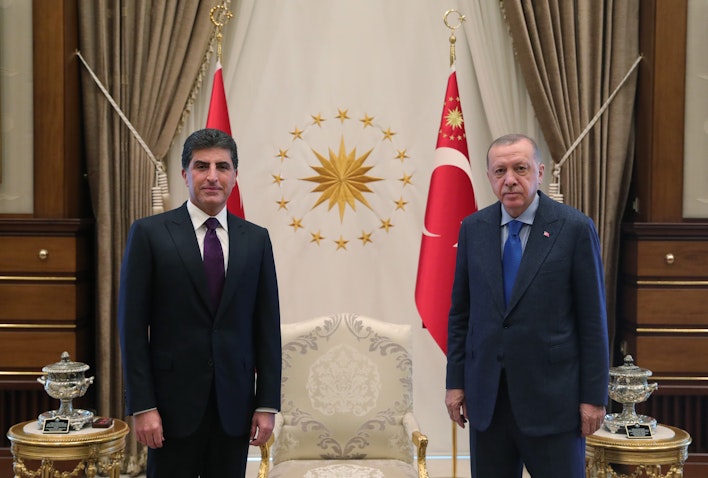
<point x="208" y="138"/>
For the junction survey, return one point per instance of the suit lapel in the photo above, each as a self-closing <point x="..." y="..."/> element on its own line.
<point x="492" y="262"/>
<point x="237" y="252"/>
<point x="181" y="230"/>
<point x="543" y="234"/>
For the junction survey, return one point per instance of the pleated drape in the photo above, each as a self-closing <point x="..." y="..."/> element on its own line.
<point x="149" y="55"/>
<point x="573" y="54"/>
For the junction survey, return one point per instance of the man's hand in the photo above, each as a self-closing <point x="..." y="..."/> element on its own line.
<point x="261" y="427"/>
<point x="591" y="417"/>
<point x="456" y="407"/>
<point x="148" y="428"/>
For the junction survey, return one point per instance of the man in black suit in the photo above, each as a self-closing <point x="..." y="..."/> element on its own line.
<point x="527" y="365"/>
<point x="201" y="360"/>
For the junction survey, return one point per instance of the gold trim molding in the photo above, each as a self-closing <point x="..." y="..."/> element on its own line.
<point x="673" y="282"/>
<point x="652" y="330"/>
<point x="37" y="279"/>
<point x="38" y="326"/>
<point x="9" y="373"/>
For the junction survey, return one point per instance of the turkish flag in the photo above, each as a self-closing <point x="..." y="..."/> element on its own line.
<point x="450" y="199"/>
<point x="218" y="118"/>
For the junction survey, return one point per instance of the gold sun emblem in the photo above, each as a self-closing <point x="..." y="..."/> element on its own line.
<point x="454" y="118"/>
<point x="342" y="179"/>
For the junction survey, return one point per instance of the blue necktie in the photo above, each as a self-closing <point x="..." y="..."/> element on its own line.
<point x="213" y="261"/>
<point x="511" y="258"/>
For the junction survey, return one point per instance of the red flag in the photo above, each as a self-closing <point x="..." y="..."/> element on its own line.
<point x="450" y="199"/>
<point x="218" y="118"/>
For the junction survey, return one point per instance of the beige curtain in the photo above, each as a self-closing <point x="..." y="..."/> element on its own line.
<point x="150" y="56"/>
<point x="573" y="54"/>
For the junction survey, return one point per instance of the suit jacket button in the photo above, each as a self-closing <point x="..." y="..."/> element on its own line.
<point x="210" y="363"/>
<point x="505" y="325"/>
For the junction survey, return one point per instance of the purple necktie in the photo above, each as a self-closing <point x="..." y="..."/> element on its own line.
<point x="511" y="258"/>
<point x="213" y="260"/>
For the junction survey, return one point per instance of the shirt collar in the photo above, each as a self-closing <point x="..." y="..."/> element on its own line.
<point x="526" y="217"/>
<point x="198" y="216"/>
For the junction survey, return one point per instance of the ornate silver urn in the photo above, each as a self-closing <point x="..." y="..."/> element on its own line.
<point x="65" y="380"/>
<point x="629" y="386"/>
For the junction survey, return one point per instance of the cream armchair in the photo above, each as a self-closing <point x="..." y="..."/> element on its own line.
<point x="347" y="401"/>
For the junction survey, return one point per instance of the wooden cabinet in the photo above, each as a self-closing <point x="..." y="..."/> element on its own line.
<point x="663" y="322"/>
<point x="44" y="291"/>
<point x="46" y="281"/>
<point x="665" y="291"/>
<point x="664" y="296"/>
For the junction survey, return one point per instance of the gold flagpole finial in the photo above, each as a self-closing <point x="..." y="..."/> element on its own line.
<point x="219" y="16"/>
<point x="453" y="39"/>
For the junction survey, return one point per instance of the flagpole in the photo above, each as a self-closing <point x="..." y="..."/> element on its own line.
<point x="453" y="40"/>
<point x="454" y="449"/>
<point x="219" y="16"/>
<point x="218" y="115"/>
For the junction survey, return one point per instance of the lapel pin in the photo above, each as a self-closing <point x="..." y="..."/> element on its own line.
<point x="545" y="233"/>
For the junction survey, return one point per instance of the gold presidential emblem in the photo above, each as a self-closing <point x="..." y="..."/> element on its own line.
<point x="341" y="180"/>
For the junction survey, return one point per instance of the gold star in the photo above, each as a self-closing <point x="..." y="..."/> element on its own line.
<point x="341" y="243"/>
<point x="365" y="237"/>
<point x="297" y="133"/>
<point x="316" y="237"/>
<point x="454" y="118"/>
<point x="282" y="154"/>
<point x="400" y="204"/>
<point x="342" y="179"/>
<point x="386" y="224"/>
<point x="277" y="178"/>
<point x="296" y="224"/>
<point x="401" y="154"/>
<point x="406" y="179"/>
<point x="388" y="134"/>
<point x="283" y="204"/>
<point x="367" y="120"/>
<point x="317" y="119"/>
<point x="342" y="115"/>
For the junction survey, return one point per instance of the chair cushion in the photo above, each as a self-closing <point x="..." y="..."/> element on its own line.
<point x="343" y="469"/>
<point x="346" y="386"/>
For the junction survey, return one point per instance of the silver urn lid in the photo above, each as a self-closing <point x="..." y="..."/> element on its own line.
<point x="65" y="368"/>
<point x="630" y="372"/>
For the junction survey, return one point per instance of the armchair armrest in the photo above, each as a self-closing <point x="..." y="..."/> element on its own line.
<point x="420" y="441"/>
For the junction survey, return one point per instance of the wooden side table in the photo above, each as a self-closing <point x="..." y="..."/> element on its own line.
<point x="95" y="449"/>
<point x="668" y="448"/>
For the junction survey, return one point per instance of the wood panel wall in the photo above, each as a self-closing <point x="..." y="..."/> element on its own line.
<point x="46" y="269"/>
<point x="658" y="168"/>
<point x="661" y="317"/>
<point x="60" y="186"/>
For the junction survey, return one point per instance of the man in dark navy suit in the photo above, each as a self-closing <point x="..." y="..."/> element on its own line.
<point x="201" y="357"/>
<point x="527" y="365"/>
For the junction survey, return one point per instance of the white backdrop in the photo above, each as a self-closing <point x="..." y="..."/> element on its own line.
<point x="326" y="79"/>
